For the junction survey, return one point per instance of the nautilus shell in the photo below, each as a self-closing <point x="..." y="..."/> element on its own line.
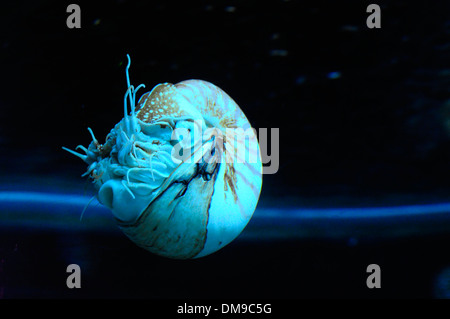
<point x="181" y="171"/>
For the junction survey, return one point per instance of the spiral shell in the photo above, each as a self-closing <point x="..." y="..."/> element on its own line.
<point x="181" y="172"/>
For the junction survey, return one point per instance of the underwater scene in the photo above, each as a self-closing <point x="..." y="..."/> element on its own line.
<point x="225" y="150"/>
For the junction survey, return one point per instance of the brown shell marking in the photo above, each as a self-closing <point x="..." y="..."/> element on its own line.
<point x="213" y="101"/>
<point x="230" y="181"/>
<point x="158" y="103"/>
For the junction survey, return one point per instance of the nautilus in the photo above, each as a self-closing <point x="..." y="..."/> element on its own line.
<point x="181" y="172"/>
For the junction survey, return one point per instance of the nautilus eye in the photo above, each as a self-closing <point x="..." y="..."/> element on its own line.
<point x="181" y="172"/>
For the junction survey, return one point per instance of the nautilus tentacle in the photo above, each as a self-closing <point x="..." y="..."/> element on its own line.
<point x="181" y="171"/>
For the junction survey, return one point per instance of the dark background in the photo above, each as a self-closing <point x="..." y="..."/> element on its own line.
<point x="378" y="134"/>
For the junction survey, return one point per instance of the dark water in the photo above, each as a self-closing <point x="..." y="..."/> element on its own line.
<point x="364" y="119"/>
